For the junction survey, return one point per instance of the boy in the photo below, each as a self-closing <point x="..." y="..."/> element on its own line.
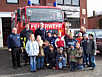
<point x="61" y="59"/>
<point x="91" y="49"/>
<point x="79" y="56"/>
<point x="72" y="58"/>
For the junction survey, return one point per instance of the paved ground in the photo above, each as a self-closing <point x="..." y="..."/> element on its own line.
<point x="7" y="71"/>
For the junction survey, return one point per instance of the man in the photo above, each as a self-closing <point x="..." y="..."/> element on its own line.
<point x="14" y="46"/>
<point x="49" y="36"/>
<point x="83" y="30"/>
<point x="41" y="31"/>
<point x="24" y="35"/>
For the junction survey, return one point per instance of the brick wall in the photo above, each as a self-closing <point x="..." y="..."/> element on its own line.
<point x="50" y="2"/>
<point x="93" y="22"/>
<point x="4" y="7"/>
<point x="83" y="9"/>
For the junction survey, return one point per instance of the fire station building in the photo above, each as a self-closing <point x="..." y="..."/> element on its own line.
<point x="75" y="12"/>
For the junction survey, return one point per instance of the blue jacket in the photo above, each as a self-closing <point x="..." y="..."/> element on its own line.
<point x="84" y="44"/>
<point x="53" y="41"/>
<point x="71" y="42"/>
<point x="13" y="40"/>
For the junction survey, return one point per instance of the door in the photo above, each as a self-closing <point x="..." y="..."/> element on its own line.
<point x="6" y="28"/>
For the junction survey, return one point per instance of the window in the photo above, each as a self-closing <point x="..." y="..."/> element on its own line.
<point x="12" y="1"/>
<point x="59" y="1"/>
<point x="67" y="2"/>
<point x="35" y="1"/>
<point x="44" y="14"/>
<point x="75" y="2"/>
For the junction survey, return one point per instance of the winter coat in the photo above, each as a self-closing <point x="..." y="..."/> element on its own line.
<point x="84" y="44"/>
<point x="91" y="47"/>
<point x="41" y="50"/>
<point x="53" y="41"/>
<point x="79" y="55"/>
<point x="32" y="48"/>
<point x="13" y="40"/>
<point x="24" y="36"/>
<point x="72" y="55"/>
<point x="71" y="42"/>
<point x="51" y="56"/>
<point x="59" y="42"/>
<point x="41" y="32"/>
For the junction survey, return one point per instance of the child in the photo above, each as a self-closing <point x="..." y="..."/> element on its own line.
<point x="46" y="51"/>
<point x="79" y="56"/>
<point x="61" y="59"/>
<point x="52" y="57"/>
<point x="40" y="58"/>
<point x="72" y="58"/>
<point x="79" y="38"/>
<point x="32" y="49"/>
<point x="91" y="49"/>
<point x="84" y="44"/>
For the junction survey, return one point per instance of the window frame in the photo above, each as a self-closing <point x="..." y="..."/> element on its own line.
<point x="12" y="2"/>
<point x="37" y="3"/>
<point x="74" y="4"/>
<point x="70" y="4"/>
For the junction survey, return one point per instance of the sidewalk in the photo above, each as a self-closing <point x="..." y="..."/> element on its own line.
<point x="6" y="69"/>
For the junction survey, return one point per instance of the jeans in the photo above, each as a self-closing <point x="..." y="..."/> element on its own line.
<point x="86" y="59"/>
<point x="62" y="63"/>
<point x="92" y="61"/>
<point x="73" y="66"/>
<point x="40" y="62"/>
<point x="33" y="63"/>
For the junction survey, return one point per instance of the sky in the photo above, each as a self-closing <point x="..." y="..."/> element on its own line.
<point x="94" y="5"/>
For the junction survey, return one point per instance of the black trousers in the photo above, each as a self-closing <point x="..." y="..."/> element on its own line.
<point x="25" y="57"/>
<point x="15" y="57"/>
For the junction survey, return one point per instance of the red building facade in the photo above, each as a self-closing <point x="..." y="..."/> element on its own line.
<point x="76" y="13"/>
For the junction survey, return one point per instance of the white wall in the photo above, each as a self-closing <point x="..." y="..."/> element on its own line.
<point x="95" y="5"/>
<point x="1" y="36"/>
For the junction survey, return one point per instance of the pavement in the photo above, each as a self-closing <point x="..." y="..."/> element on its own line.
<point x="6" y="69"/>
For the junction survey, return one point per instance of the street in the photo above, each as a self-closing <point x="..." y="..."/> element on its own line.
<point x="6" y="69"/>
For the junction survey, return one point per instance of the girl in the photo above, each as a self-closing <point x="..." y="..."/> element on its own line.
<point x="32" y="49"/>
<point x="40" y="58"/>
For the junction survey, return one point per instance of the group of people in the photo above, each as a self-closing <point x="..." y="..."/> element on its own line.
<point x="51" y="50"/>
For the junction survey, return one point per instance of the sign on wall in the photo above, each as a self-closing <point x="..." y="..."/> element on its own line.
<point x="71" y="11"/>
<point x="12" y="1"/>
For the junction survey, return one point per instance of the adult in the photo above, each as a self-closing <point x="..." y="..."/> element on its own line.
<point x="54" y="37"/>
<point x="14" y="46"/>
<point x="24" y="38"/>
<point x="83" y="30"/>
<point x="41" y="31"/>
<point x="49" y="36"/>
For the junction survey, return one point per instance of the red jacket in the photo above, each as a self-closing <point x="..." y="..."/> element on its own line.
<point x="60" y="42"/>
